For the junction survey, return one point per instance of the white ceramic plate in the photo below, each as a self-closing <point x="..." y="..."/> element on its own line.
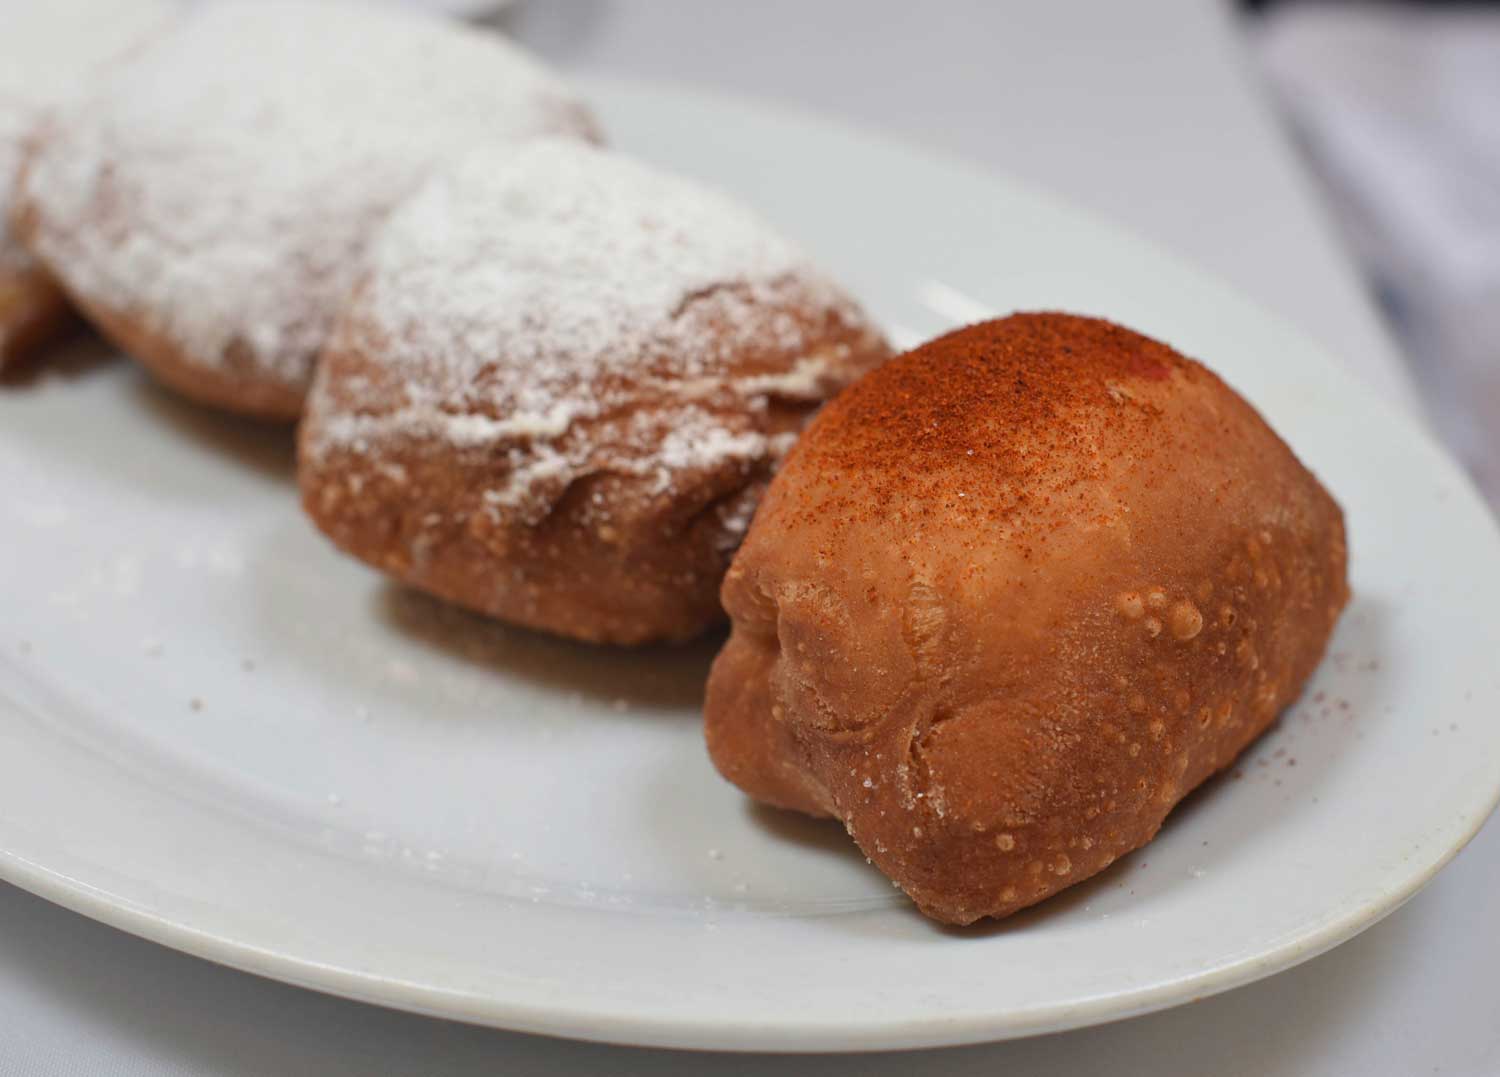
<point x="217" y="733"/>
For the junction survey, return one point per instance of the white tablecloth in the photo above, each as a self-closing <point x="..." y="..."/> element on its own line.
<point x="1146" y="112"/>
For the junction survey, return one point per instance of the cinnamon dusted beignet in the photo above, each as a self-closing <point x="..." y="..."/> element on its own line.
<point x="1011" y="597"/>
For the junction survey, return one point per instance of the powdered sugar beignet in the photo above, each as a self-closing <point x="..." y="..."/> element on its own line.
<point x="48" y="51"/>
<point x="207" y="204"/>
<point x="560" y="392"/>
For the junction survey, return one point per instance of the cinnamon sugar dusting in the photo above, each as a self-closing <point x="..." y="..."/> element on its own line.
<point x="998" y="419"/>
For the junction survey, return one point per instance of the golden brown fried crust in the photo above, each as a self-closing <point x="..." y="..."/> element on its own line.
<point x="1011" y="597"/>
<point x="33" y="311"/>
<point x="240" y="388"/>
<point x="648" y="568"/>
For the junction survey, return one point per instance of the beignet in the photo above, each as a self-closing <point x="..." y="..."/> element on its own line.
<point x="48" y="53"/>
<point x="560" y="391"/>
<point x="1011" y="597"/>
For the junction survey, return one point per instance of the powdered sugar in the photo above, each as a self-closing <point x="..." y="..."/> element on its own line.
<point x="48" y="49"/>
<point x="460" y="430"/>
<point x="561" y="259"/>
<point x="519" y="296"/>
<point x="222" y="185"/>
<point x="689" y="446"/>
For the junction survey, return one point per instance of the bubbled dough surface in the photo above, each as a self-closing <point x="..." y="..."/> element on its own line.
<point x="1013" y="596"/>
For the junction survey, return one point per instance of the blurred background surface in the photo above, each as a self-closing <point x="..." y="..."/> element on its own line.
<point x="1396" y="108"/>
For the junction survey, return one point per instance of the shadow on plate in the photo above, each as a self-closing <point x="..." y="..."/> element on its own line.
<point x="77" y="355"/>
<point x="151" y="437"/>
<point x="824" y="835"/>
<point x="267" y="447"/>
<point x="663" y="677"/>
